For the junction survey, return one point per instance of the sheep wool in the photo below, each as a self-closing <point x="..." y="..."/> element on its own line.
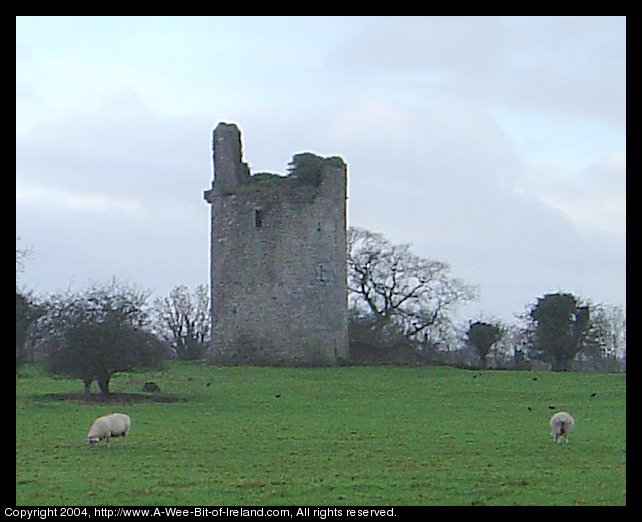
<point x="561" y="425"/>
<point x="107" y="426"/>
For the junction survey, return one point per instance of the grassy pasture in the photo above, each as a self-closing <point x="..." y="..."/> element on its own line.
<point x="327" y="436"/>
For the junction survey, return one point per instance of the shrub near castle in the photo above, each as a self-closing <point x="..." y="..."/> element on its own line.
<point x="247" y="436"/>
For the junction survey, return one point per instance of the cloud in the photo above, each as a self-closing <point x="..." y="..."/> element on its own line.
<point x="414" y="44"/>
<point x="448" y="180"/>
<point x="562" y="65"/>
<point x="443" y="160"/>
<point x="122" y="150"/>
<point x="42" y="196"/>
<point x="115" y="193"/>
<point x="592" y="198"/>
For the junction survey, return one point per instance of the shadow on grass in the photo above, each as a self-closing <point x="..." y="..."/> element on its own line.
<point x="112" y="398"/>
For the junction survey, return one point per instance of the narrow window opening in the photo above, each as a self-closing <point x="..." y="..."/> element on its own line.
<point x="258" y="217"/>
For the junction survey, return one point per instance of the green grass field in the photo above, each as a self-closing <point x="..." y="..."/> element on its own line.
<point x="328" y="437"/>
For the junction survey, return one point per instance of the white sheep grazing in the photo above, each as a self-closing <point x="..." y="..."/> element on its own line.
<point x="561" y="425"/>
<point x="112" y="425"/>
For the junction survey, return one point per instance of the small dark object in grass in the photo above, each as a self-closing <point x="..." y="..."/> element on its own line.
<point x="151" y="387"/>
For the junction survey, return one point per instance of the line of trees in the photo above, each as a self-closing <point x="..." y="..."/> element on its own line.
<point x="401" y="309"/>
<point x="107" y="329"/>
<point x="93" y="334"/>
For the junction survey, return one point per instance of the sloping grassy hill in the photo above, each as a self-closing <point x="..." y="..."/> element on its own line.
<point x="327" y="436"/>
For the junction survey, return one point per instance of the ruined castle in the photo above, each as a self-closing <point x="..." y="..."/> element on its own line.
<point x="278" y="259"/>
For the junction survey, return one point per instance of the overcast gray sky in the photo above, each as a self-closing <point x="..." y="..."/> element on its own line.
<point x="497" y="145"/>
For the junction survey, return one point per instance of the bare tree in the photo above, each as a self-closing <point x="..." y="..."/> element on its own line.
<point x="99" y="332"/>
<point x="184" y="320"/>
<point x="605" y="339"/>
<point x="396" y="287"/>
<point x="27" y="311"/>
<point x="21" y="255"/>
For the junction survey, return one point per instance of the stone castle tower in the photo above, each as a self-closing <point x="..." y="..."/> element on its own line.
<point x="278" y="259"/>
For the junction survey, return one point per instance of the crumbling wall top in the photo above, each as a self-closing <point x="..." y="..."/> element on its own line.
<point x="232" y="175"/>
<point x="229" y="169"/>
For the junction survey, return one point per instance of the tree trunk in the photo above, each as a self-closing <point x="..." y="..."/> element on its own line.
<point x="559" y="363"/>
<point x="87" y="384"/>
<point x="103" y="384"/>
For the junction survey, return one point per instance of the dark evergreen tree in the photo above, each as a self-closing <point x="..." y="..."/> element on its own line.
<point x="482" y="336"/>
<point x="561" y="325"/>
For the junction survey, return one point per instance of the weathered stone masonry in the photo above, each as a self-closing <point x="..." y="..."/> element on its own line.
<point x="278" y="260"/>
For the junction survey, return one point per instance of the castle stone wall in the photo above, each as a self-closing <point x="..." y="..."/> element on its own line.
<point x="278" y="263"/>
